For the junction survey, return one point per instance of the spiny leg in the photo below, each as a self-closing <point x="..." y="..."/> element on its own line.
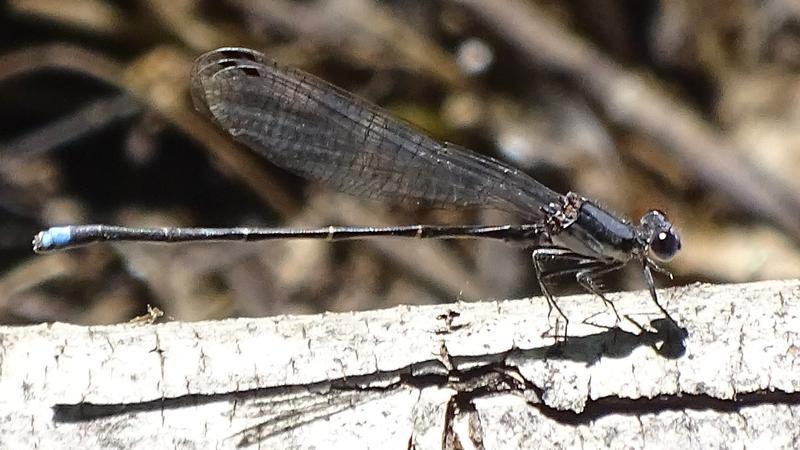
<point x="586" y="279"/>
<point x="543" y="255"/>
<point x="540" y="255"/>
<point x="651" y="286"/>
<point x="585" y="270"/>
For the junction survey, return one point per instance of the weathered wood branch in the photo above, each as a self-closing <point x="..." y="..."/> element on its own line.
<point x="479" y="375"/>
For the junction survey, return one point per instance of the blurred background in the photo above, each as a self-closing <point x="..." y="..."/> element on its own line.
<point x="688" y="106"/>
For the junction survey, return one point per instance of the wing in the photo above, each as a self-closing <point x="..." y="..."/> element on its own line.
<point x="326" y="134"/>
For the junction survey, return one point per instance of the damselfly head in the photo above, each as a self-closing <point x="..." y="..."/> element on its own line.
<point x="662" y="240"/>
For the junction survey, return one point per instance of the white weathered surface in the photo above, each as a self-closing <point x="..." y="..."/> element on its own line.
<point x="418" y="377"/>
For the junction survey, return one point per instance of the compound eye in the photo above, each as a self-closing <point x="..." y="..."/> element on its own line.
<point x="665" y="244"/>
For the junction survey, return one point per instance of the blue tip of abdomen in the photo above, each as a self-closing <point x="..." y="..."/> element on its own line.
<point x="54" y="238"/>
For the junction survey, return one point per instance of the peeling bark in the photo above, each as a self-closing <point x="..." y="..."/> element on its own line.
<point x="479" y="375"/>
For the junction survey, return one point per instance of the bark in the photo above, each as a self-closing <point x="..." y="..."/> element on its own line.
<point x="478" y="375"/>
